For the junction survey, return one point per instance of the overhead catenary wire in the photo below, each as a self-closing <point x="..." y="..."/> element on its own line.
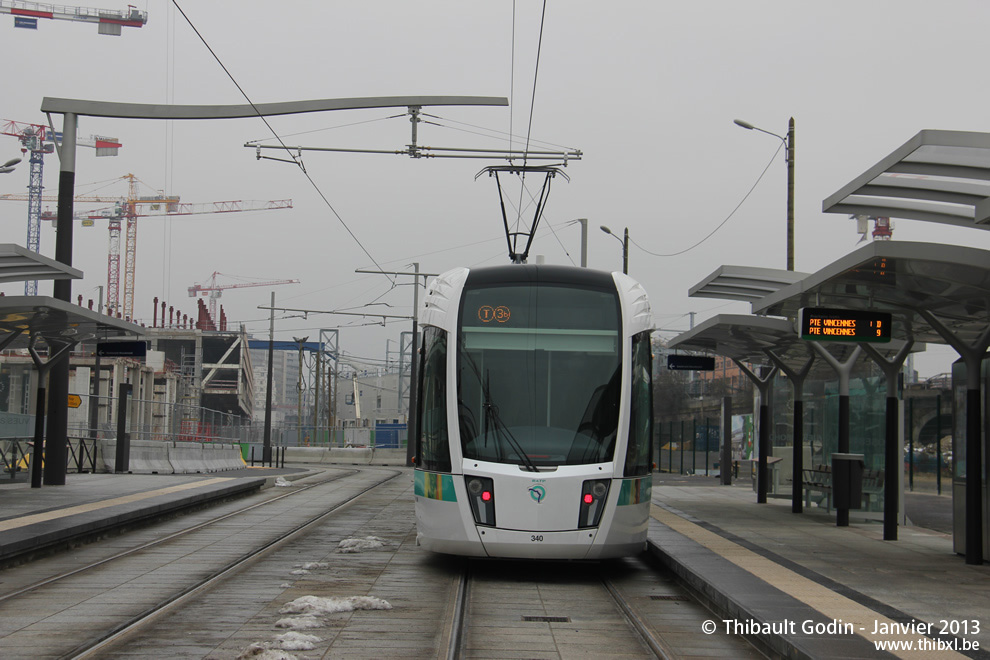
<point x="532" y="106"/>
<point x="264" y="119"/>
<point x="721" y="224"/>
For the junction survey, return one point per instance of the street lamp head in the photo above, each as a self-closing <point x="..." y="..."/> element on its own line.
<point x="606" y="230"/>
<point x="11" y="162"/>
<point x="744" y="124"/>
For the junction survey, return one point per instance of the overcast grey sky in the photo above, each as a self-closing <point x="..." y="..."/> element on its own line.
<point x="647" y="90"/>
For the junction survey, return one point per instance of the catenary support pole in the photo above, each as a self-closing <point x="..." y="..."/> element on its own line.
<point x="266" y="451"/>
<point x="56" y="441"/>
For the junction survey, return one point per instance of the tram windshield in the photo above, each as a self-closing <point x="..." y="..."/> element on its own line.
<point x="539" y="374"/>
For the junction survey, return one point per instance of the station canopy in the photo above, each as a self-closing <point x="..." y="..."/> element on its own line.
<point x="56" y="322"/>
<point x="747" y="338"/>
<point x="936" y="176"/>
<point x="745" y="283"/>
<point x="18" y="264"/>
<point x="904" y="278"/>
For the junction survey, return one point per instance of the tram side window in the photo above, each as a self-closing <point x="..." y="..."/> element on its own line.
<point x="638" y="453"/>
<point x="434" y="451"/>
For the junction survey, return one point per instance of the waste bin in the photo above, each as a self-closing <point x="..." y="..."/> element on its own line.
<point x="847" y="481"/>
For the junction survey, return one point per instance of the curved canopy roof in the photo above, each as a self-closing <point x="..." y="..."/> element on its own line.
<point x="745" y="283"/>
<point x="903" y="278"/>
<point x="936" y="176"/>
<point x="747" y="338"/>
<point x="56" y="322"/>
<point x="18" y="264"/>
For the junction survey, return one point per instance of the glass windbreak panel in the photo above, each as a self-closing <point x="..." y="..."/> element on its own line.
<point x="638" y="453"/>
<point x="539" y="374"/>
<point x="434" y="451"/>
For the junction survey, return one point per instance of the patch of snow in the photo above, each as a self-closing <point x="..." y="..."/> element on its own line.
<point x="360" y="545"/>
<point x="282" y="482"/>
<point x="263" y="651"/>
<point x="317" y="606"/>
<point x="314" y="565"/>
<point x="300" y="622"/>
<point x="299" y="571"/>
<point x="285" y="585"/>
<point x="295" y="641"/>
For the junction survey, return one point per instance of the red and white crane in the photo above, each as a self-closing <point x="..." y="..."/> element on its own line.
<point x="108" y="21"/>
<point x="38" y="140"/>
<point x="214" y="290"/>
<point x="120" y="294"/>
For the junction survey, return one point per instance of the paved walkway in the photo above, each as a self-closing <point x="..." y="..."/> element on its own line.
<point x="773" y="567"/>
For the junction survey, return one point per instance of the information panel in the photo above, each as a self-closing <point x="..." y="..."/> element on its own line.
<point x="122" y="349"/>
<point x="844" y="325"/>
<point x="690" y="363"/>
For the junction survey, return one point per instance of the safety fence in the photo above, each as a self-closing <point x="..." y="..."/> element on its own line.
<point x="155" y="420"/>
<point x="15" y="455"/>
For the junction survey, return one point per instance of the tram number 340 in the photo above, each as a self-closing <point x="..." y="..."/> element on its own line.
<point x="536" y="538"/>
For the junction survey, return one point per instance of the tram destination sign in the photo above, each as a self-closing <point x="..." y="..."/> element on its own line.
<point x="820" y="324"/>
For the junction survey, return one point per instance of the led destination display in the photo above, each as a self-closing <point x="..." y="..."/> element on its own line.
<point x="844" y="325"/>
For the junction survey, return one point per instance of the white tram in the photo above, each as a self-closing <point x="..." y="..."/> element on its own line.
<point x="535" y="414"/>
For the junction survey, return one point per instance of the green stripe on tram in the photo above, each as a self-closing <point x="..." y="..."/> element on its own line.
<point x="635" y="491"/>
<point x="434" y="486"/>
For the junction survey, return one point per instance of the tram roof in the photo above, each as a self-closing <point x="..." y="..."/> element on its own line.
<point x="936" y="176"/>
<point x="539" y="273"/>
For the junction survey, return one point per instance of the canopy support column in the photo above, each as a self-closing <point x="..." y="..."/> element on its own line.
<point x="893" y="440"/>
<point x="844" y="371"/>
<point x="972" y="355"/>
<point x="763" y="385"/>
<point x="796" y="378"/>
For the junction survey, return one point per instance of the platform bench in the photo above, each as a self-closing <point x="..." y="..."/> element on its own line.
<point x="818" y="480"/>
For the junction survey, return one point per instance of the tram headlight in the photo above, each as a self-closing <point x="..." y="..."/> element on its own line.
<point x="593" y="495"/>
<point x="481" y="495"/>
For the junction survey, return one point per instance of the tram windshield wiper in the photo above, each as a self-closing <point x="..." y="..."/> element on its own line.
<point x="501" y="430"/>
<point x="492" y="424"/>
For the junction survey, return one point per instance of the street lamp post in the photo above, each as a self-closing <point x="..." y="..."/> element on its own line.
<point x="625" y="246"/>
<point x="9" y="165"/>
<point x="789" y="145"/>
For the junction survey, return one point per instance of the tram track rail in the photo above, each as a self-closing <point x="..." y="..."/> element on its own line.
<point x="119" y="627"/>
<point x="165" y="539"/>
<point x="133" y="625"/>
<point x="647" y="638"/>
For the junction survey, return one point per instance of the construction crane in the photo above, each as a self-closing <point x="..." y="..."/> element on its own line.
<point x="214" y="290"/>
<point x="39" y="140"/>
<point x="108" y="21"/>
<point x="131" y="208"/>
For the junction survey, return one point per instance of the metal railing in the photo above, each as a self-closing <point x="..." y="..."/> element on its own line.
<point x="15" y="455"/>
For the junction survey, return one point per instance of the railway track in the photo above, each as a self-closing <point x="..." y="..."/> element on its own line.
<point x="624" y="608"/>
<point x="95" y="605"/>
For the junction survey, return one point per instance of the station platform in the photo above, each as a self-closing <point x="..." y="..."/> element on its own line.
<point x="34" y="520"/>
<point x="809" y="589"/>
